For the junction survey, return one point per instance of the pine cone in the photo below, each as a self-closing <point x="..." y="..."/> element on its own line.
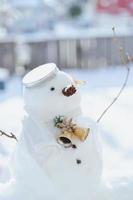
<point x="69" y="91"/>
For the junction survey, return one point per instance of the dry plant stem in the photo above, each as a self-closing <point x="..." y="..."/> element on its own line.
<point x="125" y="59"/>
<point x="9" y="136"/>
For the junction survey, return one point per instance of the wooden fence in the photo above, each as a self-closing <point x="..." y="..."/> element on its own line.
<point x="69" y="53"/>
<point x="7" y="56"/>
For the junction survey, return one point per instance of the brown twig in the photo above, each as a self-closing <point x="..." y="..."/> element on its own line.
<point x="12" y="136"/>
<point x="125" y="59"/>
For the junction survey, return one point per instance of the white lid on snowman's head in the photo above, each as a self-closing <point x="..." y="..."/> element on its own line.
<point x="40" y="74"/>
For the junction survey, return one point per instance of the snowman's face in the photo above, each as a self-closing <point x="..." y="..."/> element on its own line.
<point x="58" y="96"/>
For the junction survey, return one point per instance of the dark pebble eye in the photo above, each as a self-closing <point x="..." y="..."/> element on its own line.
<point x="52" y="88"/>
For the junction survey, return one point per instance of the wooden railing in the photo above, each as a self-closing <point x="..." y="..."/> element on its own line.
<point x="81" y="53"/>
<point x="7" y="56"/>
<point x="91" y="52"/>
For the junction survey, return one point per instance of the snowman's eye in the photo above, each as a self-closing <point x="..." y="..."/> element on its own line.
<point x="52" y="88"/>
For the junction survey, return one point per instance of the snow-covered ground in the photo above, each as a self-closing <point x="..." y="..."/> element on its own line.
<point x="117" y="125"/>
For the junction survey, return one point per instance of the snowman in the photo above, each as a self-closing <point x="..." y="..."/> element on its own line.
<point x="58" y="155"/>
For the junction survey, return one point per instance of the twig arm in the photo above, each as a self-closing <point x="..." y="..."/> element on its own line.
<point x="116" y="98"/>
<point x="11" y="135"/>
<point x="125" y="59"/>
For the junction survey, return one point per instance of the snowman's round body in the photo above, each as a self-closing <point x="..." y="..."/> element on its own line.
<point x="76" y="171"/>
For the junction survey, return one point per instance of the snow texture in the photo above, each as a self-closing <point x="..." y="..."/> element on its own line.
<point x="117" y="139"/>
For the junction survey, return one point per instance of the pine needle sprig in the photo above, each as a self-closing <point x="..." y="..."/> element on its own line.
<point x="58" y="120"/>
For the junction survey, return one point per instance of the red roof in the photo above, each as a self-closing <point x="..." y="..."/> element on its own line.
<point x="115" y="6"/>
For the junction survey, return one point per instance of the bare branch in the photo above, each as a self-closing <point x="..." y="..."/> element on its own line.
<point x="125" y="59"/>
<point x="12" y="136"/>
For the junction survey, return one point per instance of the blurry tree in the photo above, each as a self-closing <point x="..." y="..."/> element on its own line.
<point x="75" y="11"/>
<point x="28" y="16"/>
<point x="72" y="8"/>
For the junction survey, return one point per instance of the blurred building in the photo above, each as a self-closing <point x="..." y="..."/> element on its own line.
<point x="115" y="6"/>
<point x="118" y="13"/>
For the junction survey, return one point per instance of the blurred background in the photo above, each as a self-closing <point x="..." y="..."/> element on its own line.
<point x="73" y="33"/>
<point x="77" y="35"/>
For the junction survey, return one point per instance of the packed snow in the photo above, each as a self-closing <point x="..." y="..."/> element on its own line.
<point x="101" y="87"/>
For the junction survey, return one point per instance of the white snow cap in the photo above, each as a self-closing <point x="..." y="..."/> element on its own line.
<point x="40" y="74"/>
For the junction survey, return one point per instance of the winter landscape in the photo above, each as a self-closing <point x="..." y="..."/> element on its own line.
<point x="78" y="37"/>
<point x="100" y="88"/>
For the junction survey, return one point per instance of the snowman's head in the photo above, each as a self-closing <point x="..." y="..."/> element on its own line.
<point x="49" y="92"/>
